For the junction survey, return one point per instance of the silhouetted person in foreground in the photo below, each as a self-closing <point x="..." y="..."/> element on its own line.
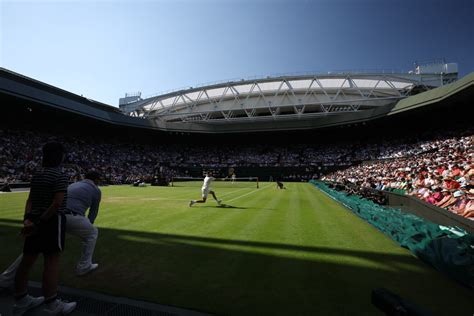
<point x="44" y="232"/>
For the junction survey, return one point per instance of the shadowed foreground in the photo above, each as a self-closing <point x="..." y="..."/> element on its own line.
<point x="293" y="251"/>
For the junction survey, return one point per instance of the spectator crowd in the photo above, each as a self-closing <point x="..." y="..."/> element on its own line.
<point x="439" y="171"/>
<point x="437" y="167"/>
<point x="126" y="163"/>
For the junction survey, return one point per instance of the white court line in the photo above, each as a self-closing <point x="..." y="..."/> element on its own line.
<point x="111" y="199"/>
<point x="14" y="192"/>
<point x="236" y="198"/>
<point x="233" y="192"/>
<point x="162" y="199"/>
<point x="256" y="190"/>
<point x="229" y="193"/>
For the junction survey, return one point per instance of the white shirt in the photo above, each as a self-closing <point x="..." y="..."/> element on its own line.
<point x="84" y="195"/>
<point x="207" y="182"/>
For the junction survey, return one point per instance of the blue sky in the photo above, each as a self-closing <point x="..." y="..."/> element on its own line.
<point x="103" y="49"/>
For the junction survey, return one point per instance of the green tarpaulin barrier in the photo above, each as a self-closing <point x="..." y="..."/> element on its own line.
<point x="448" y="249"/>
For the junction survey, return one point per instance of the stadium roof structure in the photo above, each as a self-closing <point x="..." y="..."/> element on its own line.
<point x="326" y="101"/>
<point x="283" y="102"/>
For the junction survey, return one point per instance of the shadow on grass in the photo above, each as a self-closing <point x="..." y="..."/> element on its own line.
<point x="227" y="206"/>
<point x="240" y="277"/>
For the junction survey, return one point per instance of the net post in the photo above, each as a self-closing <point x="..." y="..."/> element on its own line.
<point x="172" y="181"/>
<point x="257" y="183"/>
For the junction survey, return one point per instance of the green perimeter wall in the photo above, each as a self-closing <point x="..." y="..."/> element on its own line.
<point x="448" y="249"/>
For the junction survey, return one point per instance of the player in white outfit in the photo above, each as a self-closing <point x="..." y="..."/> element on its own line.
<point x="206" y="189"/>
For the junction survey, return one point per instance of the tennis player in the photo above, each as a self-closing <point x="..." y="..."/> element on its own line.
<point x="206" y="190"/>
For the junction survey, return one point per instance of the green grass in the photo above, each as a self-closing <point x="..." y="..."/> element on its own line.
<point x="270" y="251"/>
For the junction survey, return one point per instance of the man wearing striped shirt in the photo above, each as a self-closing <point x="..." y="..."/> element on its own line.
<point x="43" y="230"/>
<point x="81" y="196"/>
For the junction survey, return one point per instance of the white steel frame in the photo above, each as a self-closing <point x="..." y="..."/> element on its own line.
<point x="281" y="98"/>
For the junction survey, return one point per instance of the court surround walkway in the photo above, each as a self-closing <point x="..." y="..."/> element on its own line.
<point x="90" y="303"/>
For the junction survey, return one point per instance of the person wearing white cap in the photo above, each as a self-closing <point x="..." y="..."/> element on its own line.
<point x="458" y="193"/>
<point x="460" y="204"/>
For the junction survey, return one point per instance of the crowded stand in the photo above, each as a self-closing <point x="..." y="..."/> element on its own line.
<point x="439" y="171"/>
<point x="120" y="162"/>
<point x="437" y="167"/>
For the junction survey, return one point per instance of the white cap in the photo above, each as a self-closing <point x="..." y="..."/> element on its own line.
<point x="458" y="193"/>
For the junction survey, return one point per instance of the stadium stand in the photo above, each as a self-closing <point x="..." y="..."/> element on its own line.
<point x="438" y="169"/>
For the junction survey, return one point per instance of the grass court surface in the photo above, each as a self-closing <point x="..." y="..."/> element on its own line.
<point x="268" y="251"/>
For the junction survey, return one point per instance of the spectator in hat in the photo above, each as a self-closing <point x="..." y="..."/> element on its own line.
<point x="459" y="206"/>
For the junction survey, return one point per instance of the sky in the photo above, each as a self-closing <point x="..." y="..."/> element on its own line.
<point x="104" y="49"/>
